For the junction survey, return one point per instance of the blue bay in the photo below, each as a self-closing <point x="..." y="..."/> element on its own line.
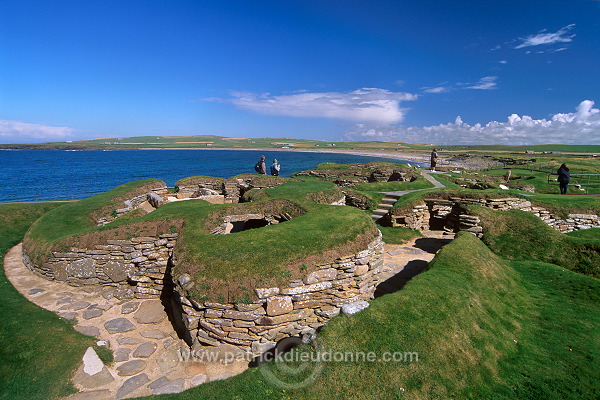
<point x="34" y="175"/>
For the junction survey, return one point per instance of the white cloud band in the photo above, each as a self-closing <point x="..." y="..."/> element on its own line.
<point x="581" y="127"/>
<point x="368" y="105"/>
<point x="24" y="131"/>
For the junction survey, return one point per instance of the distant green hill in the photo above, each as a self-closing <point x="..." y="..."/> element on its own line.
<point x="214" y="141"/>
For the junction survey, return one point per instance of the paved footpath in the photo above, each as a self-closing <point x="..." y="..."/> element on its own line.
<point x="402" y="262"/>
<point x="149" y="358"/>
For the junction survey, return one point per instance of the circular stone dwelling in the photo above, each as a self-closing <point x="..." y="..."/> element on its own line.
<point x="246" y="261"/>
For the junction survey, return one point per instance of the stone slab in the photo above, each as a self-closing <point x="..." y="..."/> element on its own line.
<point x="89" y="314"/>
<point x="128" y="340"/>
<point x="150" y="312"/>
<point x="91" y="362"/>
<point x="176" y="386"/>
<point x="88" y="330"/>
<point x="131" y="385"/>
<point x="145" y="350"/>
<point x="119" y="325"/>
<point x="154" y="334"/>
<point x="132" y="367"/>
<point x="353" y="308"/>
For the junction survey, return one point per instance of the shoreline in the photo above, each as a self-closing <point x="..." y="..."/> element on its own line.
<point x="470" y="163"/>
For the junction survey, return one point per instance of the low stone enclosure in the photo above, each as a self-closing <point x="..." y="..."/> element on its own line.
<point x="143" y="267"/>
<point x="356" y="174"/>
<point x="296" y="310"/>
<point x="222" y="191"/>
<point x="452" y="215"/>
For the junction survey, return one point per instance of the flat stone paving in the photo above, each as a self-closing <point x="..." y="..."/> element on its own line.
<point x="402" y="262"/>
<point x="149" y="358"/>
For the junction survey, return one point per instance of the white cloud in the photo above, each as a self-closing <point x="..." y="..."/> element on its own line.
<point x="439" y="89"/>
<point x="485" y="83"/>
<point x="24" y="131"/>
<point x="547" y="38"/>
<point x="580" y="127"/>
<point x="371" y="105"/>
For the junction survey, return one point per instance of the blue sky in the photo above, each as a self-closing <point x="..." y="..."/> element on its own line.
<point x="427" y="71"/>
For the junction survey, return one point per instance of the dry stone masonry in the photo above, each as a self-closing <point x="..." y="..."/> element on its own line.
<point x="220" y="191"/>
<point x="139" y="267"/>
<point x="155" y="199"/>
<point x="452" y="214"/>
<point x="131" y="268"/>
<point x="297" y="310"/>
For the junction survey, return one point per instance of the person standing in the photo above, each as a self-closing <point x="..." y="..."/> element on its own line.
<point x="260" y="166"/>
<point x="434" y="159"/>
<point x="275" y="167"/>
<point x="564" y="177"/>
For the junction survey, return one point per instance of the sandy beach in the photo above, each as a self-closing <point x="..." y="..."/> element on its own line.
<point x="450" y="161"/>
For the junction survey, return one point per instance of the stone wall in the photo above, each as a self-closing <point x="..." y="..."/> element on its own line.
<point x="229" y="221"/>
<point x="141" y="268"/>
<point x="452" y="215"/>
<point x="296" y="310"/>
<point x="129" y="268"/>
<point x="219" y="191"/>
<point x="155" y="198"/>
<point x="357" y="200"/>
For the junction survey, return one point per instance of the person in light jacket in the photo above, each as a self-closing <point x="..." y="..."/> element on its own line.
<point x="275" y="168"/>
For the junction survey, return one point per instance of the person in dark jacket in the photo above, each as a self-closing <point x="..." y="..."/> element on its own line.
<point x="564" y="176"/>
<point x="434" y="159"/>
<point x="262" y="167"/>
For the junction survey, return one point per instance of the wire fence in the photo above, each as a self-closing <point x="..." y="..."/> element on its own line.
<point x="588" y="183"/>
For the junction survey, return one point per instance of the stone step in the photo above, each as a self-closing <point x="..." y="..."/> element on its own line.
<point x="389" y="200"/>
<point x="380" y="212"/>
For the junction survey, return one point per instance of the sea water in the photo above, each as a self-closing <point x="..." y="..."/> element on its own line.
<point x="34" y="175"/>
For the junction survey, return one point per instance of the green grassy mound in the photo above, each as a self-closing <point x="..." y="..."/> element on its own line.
<point x="521" y="235"/>
<point x="224" y="267"/>
<point x="38" y="350"/>
<point x="398" y="235"/>
<point x="79" y="217"/>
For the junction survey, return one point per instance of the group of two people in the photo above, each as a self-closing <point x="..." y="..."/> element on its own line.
<point x="261" y="167"/>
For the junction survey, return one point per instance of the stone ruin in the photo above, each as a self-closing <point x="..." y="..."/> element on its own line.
<point x="141" y="267"/>
<point x="148" y="201"/>
<point x="452" y="215"/>
<point x="281" y="312"/>
<point x="243" y="222"/>
<point x="221" y="191"/>
<point x="360" y="174"/>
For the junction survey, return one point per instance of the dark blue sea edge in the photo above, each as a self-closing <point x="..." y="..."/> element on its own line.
<point x="38" y="175"/>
